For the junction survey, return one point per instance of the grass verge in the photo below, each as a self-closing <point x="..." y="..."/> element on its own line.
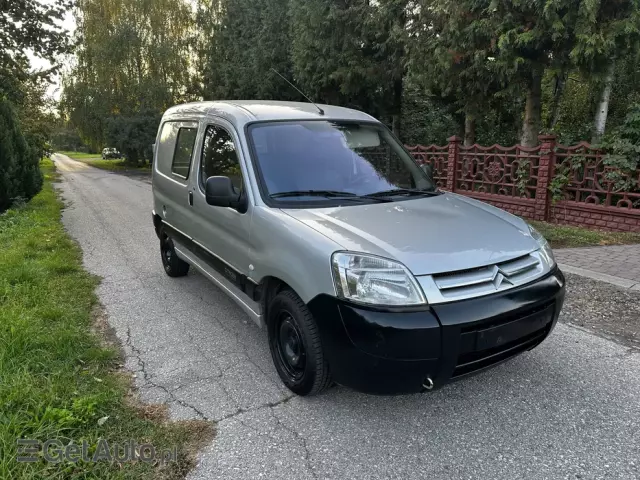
<point x="566" y="236"/>
<point x="58" y="378"/>
<point x="113" y="165"/>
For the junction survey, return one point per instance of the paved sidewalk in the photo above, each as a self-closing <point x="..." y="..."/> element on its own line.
<point x="621" y="262"/>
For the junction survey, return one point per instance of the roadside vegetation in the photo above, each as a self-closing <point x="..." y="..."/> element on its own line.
<point x="566" y="236"/>
<point x="114" y="165"/>
<point x="59" y="377"/>
<point x="492" y="72"/>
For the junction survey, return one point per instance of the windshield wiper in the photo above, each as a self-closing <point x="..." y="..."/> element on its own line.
<point x="402" y="191"/>
<point x="324" y="193"/>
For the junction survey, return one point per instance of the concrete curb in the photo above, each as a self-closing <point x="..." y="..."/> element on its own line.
<point x="603" y="277"/>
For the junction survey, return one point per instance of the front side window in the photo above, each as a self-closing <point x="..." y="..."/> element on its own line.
<point x="327" y="159"/>
<point x="219" y="157"/>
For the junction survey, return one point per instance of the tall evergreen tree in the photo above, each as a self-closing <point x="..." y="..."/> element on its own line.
<point x="248" y="39"/>
<point x="606" y="34"/>
<point x="351" y="53"/>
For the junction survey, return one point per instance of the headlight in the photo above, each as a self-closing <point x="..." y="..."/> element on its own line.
<point x="374" y="280"/>
<point x="545" y="248"/>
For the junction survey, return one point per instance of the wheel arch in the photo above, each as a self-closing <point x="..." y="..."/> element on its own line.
<point x="157" y="223"/>
<point x="271" y="286"/>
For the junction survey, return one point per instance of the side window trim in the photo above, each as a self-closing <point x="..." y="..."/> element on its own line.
<point x="175" y="149"/>
<point x="201" y="180"/>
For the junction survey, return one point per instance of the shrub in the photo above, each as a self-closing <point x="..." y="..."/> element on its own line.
<point x="624" y="151"/>
<point x="20" y="176"/>
<point x="133" y="136"/>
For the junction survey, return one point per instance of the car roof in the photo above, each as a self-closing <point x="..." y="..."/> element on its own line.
<point x="241" y="112"/>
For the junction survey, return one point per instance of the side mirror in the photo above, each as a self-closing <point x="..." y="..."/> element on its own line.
<point x="428" y="169"/>
<point x="219" y="192"/>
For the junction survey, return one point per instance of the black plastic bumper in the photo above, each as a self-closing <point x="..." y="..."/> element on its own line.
<point x="395" y="350"/>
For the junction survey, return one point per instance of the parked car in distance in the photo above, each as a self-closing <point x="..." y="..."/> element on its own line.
<point x="319" y="224"/>
<point x="108" y="153"/>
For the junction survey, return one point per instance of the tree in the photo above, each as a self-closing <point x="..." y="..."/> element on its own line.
<point x="606" y="34"/>
<point x="248" y="38"/>
<point x="453" y="58"/>
<point x="533" y="35"/>
<point x="483" y="47"/>
<point x="24" y="114"/>
<point x="352" y="53"/>
<point x="133" y="135"/>
<point x="493" y="70"/>
<point x="31" y="25"/>
<point x="134" y="57"/>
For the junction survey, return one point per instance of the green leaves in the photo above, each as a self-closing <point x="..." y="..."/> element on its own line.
<point x="20" y="177"/>
<point x="479" y="58"/>
<point x="31" y="25"/>
<point x="134" y="58"/>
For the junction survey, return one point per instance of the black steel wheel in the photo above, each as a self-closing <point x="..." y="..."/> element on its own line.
<point x="292" y="354"/>
<point x="173" y="265"/>
<point x="295" y="345"/>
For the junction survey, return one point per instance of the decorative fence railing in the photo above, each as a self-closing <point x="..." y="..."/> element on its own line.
<point x="551" y="182"/>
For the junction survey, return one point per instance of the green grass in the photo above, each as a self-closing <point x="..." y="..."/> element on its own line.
<point x="58" y="378"/>
<point x="82" y="155"/>
<point x="114" y="165"/>
<point x="564" y="236"/>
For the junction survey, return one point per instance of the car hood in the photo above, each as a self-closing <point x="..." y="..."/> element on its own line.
<point x="428" y="235"/>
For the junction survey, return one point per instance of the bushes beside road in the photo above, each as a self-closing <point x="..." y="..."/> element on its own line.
<point x="20" y="177"/>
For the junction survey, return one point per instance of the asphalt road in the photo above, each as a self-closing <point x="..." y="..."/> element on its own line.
<point x="569" y="409"/>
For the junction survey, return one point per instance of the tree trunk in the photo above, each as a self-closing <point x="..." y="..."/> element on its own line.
<point x="533" y="109"/>
<point x="469" y="129"/>
<point x="600" y="121"/>
<point x="554" y="114"/>
<point x="396" y="126"/>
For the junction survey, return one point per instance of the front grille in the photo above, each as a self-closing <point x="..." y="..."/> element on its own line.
<point x="489" y="279"/>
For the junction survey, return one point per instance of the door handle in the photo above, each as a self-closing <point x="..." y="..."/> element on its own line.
<point x="191" y="198"/>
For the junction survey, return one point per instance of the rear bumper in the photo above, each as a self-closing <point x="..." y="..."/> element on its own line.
<point x="394" y="350"/>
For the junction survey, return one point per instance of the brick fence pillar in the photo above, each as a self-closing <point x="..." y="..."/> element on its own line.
<point x="545" y="171"/>
<point x="452" y="162"/>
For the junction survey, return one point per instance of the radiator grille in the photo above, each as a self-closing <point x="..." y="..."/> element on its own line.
<point x="477" y="282"/>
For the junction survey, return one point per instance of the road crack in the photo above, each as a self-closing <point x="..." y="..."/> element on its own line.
<point x="270" y="405"/>
<point x="300" y="439"/>
<point x="148" y="379"/>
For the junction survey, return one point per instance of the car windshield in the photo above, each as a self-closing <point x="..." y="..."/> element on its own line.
<point x="298" y="161"/>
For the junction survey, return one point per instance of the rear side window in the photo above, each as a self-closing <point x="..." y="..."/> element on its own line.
<point x="183" y="152"/>
<point x="175" y="147"/>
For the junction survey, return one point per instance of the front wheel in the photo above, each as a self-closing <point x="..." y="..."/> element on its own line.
<point x="295" y="345"/>
<point x="173" y="266"/>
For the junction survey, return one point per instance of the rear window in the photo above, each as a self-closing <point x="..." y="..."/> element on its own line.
<point x="183" y="152"/>
<point x="174" y="149"/>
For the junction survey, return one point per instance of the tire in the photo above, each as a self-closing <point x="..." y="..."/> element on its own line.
<point x="294" y="341"/>
<point x="173" y="266"/>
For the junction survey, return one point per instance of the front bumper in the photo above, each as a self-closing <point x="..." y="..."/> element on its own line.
<point x="387" y="351"/>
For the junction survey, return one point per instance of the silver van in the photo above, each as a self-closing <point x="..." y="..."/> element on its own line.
<point x="323" y="229"/>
